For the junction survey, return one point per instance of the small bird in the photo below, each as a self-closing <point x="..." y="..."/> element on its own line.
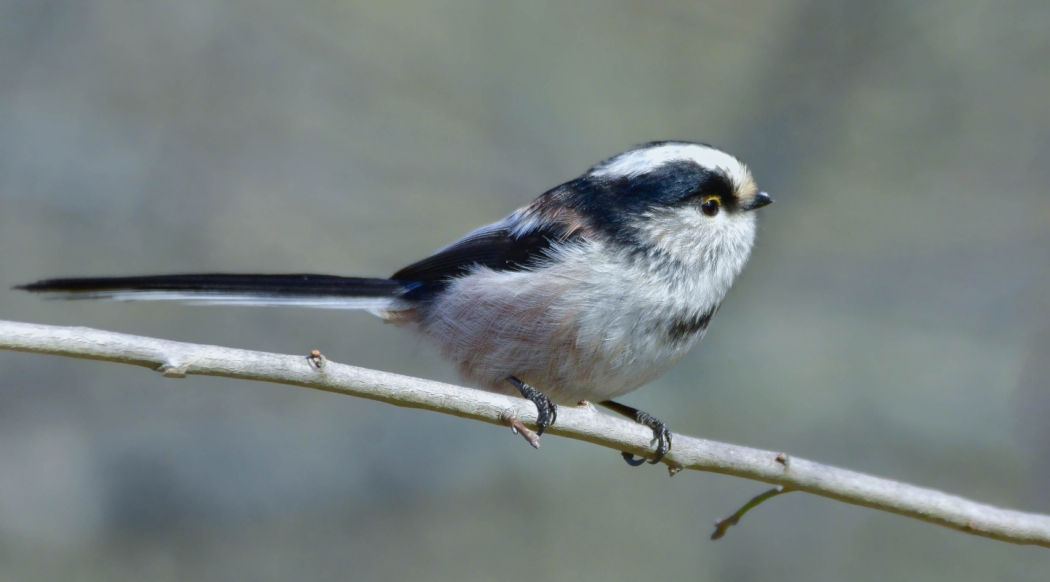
<point x="592" y="290"/>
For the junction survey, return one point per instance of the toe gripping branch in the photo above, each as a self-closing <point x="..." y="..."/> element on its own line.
<point x="661" y="434"/>
<point x="546" y="410"/>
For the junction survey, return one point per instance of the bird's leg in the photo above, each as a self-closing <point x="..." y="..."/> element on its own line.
<point x="546" y="410"/>
<point x="660" y="432"/>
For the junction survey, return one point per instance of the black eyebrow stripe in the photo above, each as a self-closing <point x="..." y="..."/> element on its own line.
<point x="719" y="183"/>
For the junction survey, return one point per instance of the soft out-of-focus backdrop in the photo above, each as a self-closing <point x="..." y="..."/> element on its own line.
<point x="895" y="317"/>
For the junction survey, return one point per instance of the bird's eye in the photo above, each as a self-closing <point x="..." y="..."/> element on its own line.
<point x="710" y="205"/>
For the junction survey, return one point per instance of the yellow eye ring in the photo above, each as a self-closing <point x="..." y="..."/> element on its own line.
<point x="710" y="204"/>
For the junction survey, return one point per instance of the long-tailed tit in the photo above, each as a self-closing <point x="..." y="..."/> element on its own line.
<point x="595" y="288"/>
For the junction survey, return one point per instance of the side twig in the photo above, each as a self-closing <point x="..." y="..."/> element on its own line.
<point x="177" y="359"/>
<point x="723" y="525"/>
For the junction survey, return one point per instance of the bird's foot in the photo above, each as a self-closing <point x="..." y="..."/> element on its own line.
<point x="546" y="410"/>
<point x="661" y="434"/>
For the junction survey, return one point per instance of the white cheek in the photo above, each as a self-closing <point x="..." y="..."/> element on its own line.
<point x="717" y="244"/>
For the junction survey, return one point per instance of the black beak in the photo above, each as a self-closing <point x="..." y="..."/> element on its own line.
<point x="761" y="199"/>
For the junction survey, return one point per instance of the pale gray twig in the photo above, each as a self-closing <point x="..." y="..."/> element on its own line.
<point x="177" y="359"/>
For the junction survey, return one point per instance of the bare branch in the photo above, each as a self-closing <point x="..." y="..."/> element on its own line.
<point x="177" y="359"/>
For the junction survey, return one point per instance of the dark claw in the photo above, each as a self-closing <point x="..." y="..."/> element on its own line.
<point x="546" y="410"/>
<point x="664" y="436"/>
<point x="661" y="434"/>
<point x="631" y="460"/>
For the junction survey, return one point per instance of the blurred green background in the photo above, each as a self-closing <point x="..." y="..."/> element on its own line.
<point x="894" y="319"/>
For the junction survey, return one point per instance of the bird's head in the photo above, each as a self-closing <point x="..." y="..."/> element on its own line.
<point x="689" y="201"/>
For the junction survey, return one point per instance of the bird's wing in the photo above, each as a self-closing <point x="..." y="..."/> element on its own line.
<point x="500" y="247"/>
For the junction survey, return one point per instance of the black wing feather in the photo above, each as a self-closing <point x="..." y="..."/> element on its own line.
<point x="495" y="247"/>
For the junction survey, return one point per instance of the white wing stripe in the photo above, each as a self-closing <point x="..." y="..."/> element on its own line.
<point x="199" y="298"/>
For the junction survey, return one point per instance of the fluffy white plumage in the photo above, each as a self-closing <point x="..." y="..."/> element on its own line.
<point x="592" y="323"/>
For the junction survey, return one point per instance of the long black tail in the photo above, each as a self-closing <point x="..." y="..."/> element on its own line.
<point x="324" y="291"/>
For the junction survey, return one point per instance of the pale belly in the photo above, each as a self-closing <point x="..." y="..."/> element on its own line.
<point x="569" y="338"/>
